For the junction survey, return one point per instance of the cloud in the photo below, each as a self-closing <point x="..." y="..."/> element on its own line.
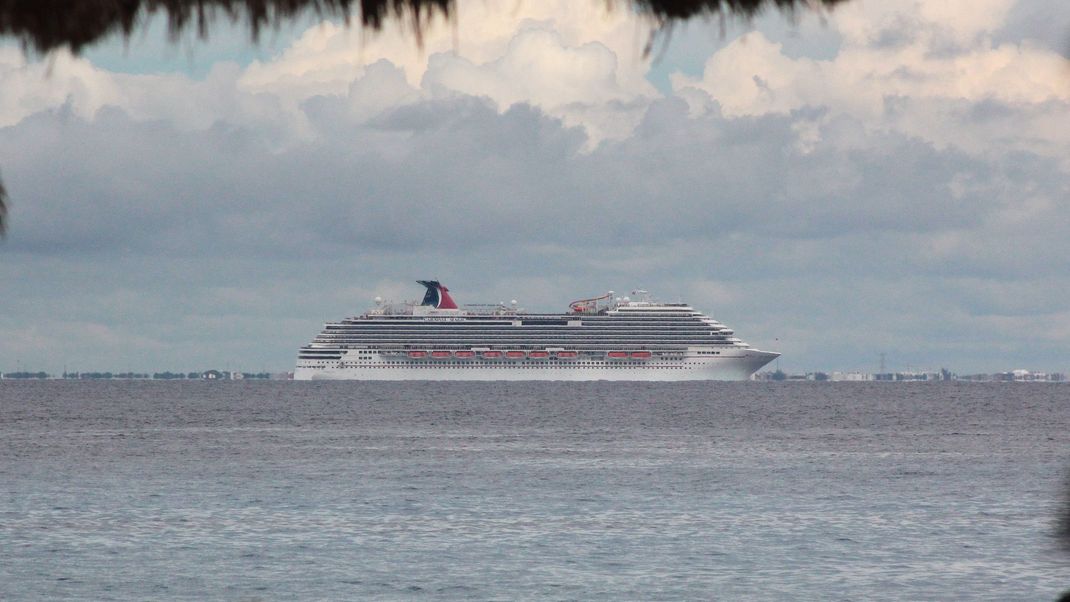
<point x="460" y="175"/>
<point x="578" y="84"/>
<point x="62" y="80"/>
<point x="581" y="62"/>
<point x="919" y="68"/>
<point x="905" y="191"/>
<point x="331" y="55"/>
<point x="567" y="58"/>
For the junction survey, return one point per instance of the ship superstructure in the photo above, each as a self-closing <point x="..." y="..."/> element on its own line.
<point x="601" y="338"/>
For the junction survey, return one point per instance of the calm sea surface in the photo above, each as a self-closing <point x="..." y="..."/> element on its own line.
<point x="284" y="490"/>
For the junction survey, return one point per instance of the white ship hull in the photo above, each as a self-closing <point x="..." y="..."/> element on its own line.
<point x="727" y="367"/>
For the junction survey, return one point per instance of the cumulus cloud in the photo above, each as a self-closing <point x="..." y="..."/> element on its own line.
<point x="30" y="87"/>
<point x="579" y="84"/>
<point x="567" y="58"/>
<point x="333" y="55"/>
<point x="927" y="69"/>
<point x="912" y="180"/>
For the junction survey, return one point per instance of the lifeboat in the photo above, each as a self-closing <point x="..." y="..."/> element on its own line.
<point x="539" y="355"/>
<point x="493" y="355"/>
<point x="515" y="355"/>
<point x="418" y="354"/>
<point x="440" y="354"/>
<point x="566" y="354"/>
<point x="465" y="354"/>
<point x="617" y="355"/>
<point x="641" y="355"/>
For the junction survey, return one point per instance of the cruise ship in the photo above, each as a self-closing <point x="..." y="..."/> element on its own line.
<point x="600" y="338"/>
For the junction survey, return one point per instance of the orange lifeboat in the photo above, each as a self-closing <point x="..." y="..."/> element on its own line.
<point x="539" y="355"/>
<point x="465" y="354"/>
<point x="641" y="355"/>
<point x="515" y="355"/>
<point x="566" y="354"/>
<point x="617" y="355"/>
<point x="440" y="354"/>
<point x="492" y="354"/>
<point x="418" y="354"/>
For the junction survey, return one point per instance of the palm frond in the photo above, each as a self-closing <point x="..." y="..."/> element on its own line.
<point x="46" y="25"/>
<point x="3" y="210"/>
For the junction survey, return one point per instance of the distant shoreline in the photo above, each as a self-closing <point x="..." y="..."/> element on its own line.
<point x="775" y="376"/>
<point x="166" y="376"/>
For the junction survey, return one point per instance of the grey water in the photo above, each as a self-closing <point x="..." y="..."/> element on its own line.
<point x="698" y="491"/>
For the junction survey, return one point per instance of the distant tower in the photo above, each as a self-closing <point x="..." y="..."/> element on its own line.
<point x="882" y="364"/>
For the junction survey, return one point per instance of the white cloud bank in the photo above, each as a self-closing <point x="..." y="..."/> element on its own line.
<point x="907" y="195"/>
<point x="926" y="69"/>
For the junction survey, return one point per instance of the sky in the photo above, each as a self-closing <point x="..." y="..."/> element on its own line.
<point x="888" y="178"/>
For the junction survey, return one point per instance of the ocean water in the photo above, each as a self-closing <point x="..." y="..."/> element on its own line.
<point x="611" y="491"/>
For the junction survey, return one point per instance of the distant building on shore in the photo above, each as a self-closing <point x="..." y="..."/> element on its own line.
<point x="914" y="376"/>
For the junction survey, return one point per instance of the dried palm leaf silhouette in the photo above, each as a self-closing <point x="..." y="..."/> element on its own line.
<point x="3" y="209"/>
<point x="45" y="25"/>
